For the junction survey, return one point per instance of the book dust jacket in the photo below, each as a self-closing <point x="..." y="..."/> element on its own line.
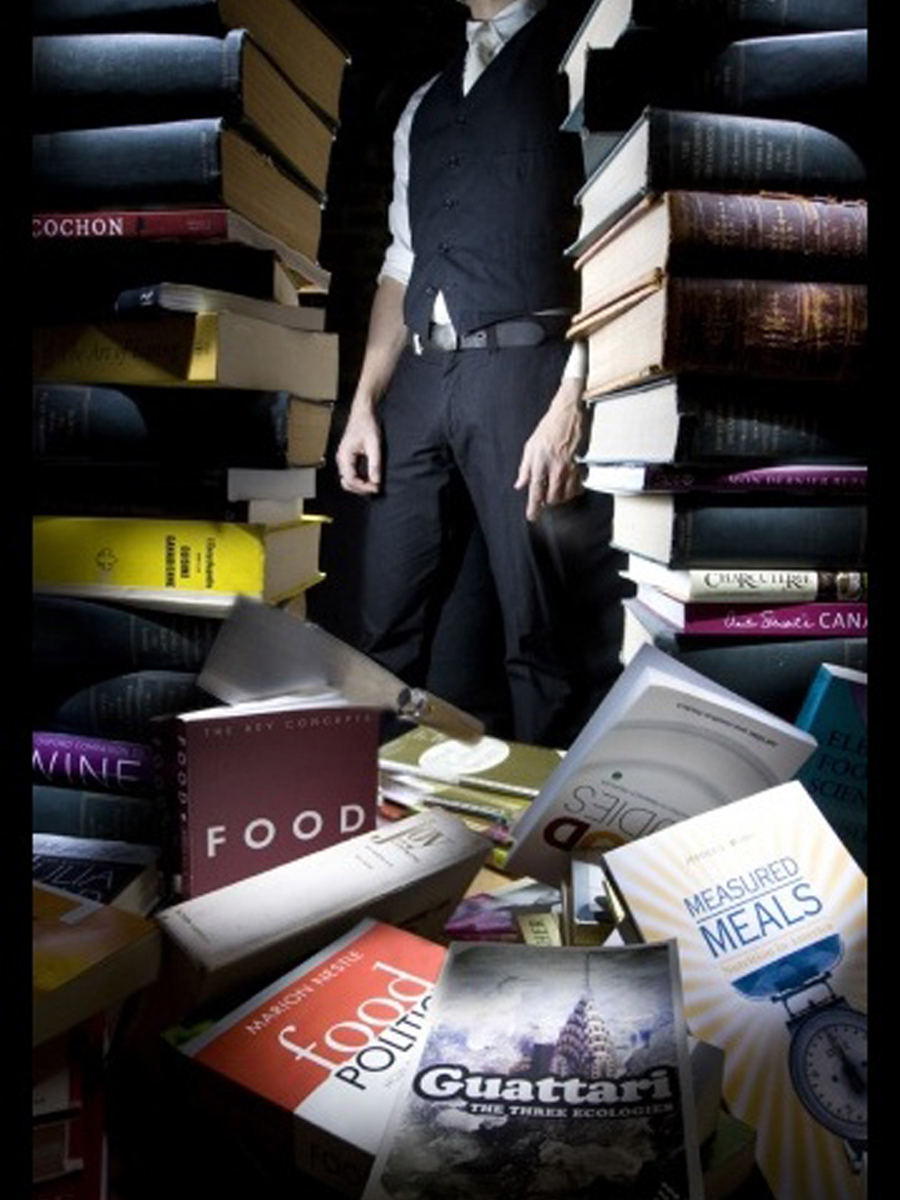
<point x="770" y="913"/>
<point x="547" y="1073"/>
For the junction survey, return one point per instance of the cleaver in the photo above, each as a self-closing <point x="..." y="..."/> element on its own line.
<point x="263" y="651"/>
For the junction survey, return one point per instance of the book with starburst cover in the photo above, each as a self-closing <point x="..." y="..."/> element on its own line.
<point x="769" y="910"/>
<point x="549" y="1072"/>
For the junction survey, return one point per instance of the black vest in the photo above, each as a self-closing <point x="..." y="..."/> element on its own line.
<point x="492" y="186"/>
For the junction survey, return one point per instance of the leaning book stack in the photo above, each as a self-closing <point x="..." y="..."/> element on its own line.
<point x="183" y="378"/>
<point x="722" y="265"/>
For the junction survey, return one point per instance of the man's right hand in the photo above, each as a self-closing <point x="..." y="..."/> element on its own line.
<point x="358" y="455"/>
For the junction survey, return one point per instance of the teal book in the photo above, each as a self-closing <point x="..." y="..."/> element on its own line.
<point x="835" y="712"/>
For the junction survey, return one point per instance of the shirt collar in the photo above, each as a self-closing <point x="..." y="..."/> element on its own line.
<point x="509" y="20"/>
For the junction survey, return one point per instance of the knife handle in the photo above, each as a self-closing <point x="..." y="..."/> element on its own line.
<point x="422" y="707"/>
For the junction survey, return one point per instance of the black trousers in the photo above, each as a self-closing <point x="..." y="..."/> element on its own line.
<point x="454" y="425"/>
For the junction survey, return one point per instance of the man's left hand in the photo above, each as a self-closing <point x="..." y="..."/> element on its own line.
<point x="548" y="468"/>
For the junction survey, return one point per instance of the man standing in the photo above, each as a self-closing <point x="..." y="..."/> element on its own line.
<point x="468" y="406"/>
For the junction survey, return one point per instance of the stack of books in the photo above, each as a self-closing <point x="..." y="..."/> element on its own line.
<point x="722" y="262"/>
<point x="184" y="379"/>
<point x="489" y="783"/>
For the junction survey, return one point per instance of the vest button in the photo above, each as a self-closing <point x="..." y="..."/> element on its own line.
<point x="449" y="202"/>
<point x="444" y="247"/>
<point x="453" y="160"/>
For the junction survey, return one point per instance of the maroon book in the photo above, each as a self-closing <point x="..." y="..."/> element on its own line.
<point x="252" y="786"/>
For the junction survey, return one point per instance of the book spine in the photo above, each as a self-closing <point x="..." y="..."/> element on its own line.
<point x="88" y="425"/>
<point x="753" y="15"/>
<point x="194" y="222"/>
<point x="94" y="764"/>
<point x="105" y="815"/>
<point x="78" y="79"/>
<point x="125" y="706"/>
<point x="173" y="162"/>
<point x="755" y="535"/>
<point x="820" y="619"/>
<point x="771" y="328"/>
<point x="765" y="236"/>
<point x="722" y="429"/>
<point x="766" y="587"/>
<point x="799" y="478"/>
<point x="729" y="152"/>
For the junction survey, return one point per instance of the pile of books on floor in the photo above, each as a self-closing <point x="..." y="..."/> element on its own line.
<point x="722" y="262"/>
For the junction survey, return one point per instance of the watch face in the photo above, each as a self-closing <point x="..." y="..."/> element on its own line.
<point x="829" y="1067"/>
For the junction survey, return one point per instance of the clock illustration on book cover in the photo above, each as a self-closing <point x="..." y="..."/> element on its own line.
<point x="828" y="1060"/>
<point x="828" y="1054"/>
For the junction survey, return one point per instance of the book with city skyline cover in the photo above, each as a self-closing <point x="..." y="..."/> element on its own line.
<point x="528" y="1048"/>
<point x="299" y="45"/>
<point x="665" y="743"/>
<point x="93" y="80"/>
<point x="769" y="910"/>
<point x="221" y="348"/>
<point x="189" y="428"/>
<point x="199" y="162"/>
<point x="667" y="149"/>
<point x="177" y="565"/>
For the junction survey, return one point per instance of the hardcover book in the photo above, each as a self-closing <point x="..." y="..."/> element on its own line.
<point x="252" y="786"/>
<point x="664" y="744"/>
<point x="797" y="478"/>
<point x="176" y="565"/>
<point x="298" y="44"/>
<point x="86" y="958"/>
<point x="326" y="1048"/>
<point x="549" y="1072"/>
<point x="123" y="874"/>
<point x="192" y="429"/>
<point x="769" y="911"/>
<point x="717" y="234"/>
<point x="488" y="763"/>
<point x="757" y="586"/>
<point x="835" y="712"/>
<point x="773" y="530"/>
<point x="760" y="328"/>
<point x="74" y="812"/>
<point x="713" y="419"/>
<point x="89" y="80"/>
<point x="199" y="162"/>
<point x="672" y="148"/>
<point x="220" y="349"/>
<point x="822" y="618"/>
<point x="91" y="764"/>
<point x="412" y="874"/>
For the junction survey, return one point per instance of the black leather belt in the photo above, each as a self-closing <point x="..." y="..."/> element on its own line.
<point x="523" y="331"/>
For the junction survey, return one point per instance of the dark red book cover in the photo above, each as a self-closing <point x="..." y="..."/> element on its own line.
<point x="258" y="785"/>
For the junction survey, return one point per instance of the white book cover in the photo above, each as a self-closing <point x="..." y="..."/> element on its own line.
<point x="664" y="744"/>
<point x="549" y="1072"/>
<point x="769" y="910"/>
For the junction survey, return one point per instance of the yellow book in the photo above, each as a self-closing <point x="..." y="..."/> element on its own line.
<point x="175" y="564"/>
<point x="207" y="349"/>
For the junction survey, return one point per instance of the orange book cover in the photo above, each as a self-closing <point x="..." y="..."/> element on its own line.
<point x="330" y="1042"/>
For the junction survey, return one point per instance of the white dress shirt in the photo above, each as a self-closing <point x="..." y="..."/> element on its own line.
<point x="398" y="259"/>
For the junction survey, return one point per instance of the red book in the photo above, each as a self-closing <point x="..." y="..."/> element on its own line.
<point x="256" y="785"/>
<point x="816" y="619"/>
<point x="215" y="222"/>
<point x="315" y="1061"/>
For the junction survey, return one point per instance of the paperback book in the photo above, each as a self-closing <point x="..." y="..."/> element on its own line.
<point x="664" y="744"/>
<point x="326" y="1048"/>
<point x="550" y="1072"/>
<point x="769" y="910"/>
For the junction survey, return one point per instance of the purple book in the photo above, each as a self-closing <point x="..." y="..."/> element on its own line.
<point x="93" y="763"/>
